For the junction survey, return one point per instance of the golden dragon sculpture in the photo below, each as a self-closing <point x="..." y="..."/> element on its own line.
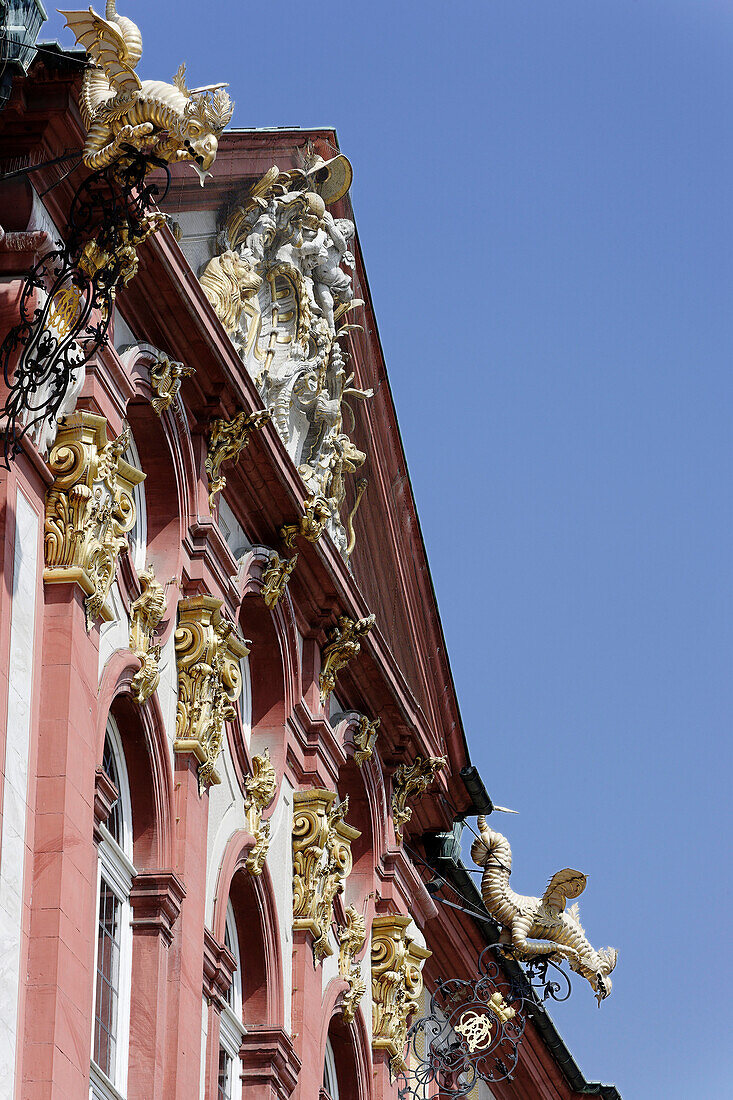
<point x="168" y="121"/>
<point x="544" y="918"/>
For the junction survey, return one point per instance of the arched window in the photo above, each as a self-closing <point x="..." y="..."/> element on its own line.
<point x="113" y="955"/>
<point x="231" y="1029"/>
<point x="330" y="1082"/>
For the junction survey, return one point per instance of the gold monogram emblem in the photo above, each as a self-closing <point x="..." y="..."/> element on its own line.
<point x="475" y="1028"/>
<point x="65" y="309"/>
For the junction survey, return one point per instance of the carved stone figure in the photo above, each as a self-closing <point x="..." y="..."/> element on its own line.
<point x="280" y="286"/>
<point x="343" y="645"/>
<point x="351" y="937"/>
<point x="545" y="918"/>
<point x="145" y="615"/>
<point x="166" y="376"/>
<point x="261" y="788"/>
<point x="118" y="109"/>
<point x="227" y="440"/>
<point x="276" y="577"/>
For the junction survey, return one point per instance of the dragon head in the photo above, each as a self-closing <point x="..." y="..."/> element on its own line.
<point x="206" y="113"/>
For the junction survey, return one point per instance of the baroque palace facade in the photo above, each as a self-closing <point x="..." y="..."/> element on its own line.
<point x="232" y="755"/>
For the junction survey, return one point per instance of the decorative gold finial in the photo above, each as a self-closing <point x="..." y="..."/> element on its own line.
<point x="166" y="376"/>
<point x="227" y="440"/>
<point x="311" y="524"/>
<point x="411" y="781"/>
<point x="344" y="644"/>
<point x="276" y="577"/>
<point x="365" y="738"/>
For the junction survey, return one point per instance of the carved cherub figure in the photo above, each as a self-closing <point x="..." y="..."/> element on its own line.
<point x="545" y="918"/>
<point x="324" y="254"/>
<point x="118" y="109"/>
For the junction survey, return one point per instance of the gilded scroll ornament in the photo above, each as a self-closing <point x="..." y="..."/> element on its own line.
<point x="311" y="525"/>
<point x="343" y="645"/>
<point x="89" y="509"/>
<point x="227" y="440"/>
<point x="166" y="376"/>
<point x="544" y="919"/>
<point x="397" y="983"/>
<point x="321" y="862"/>
<point x="411" y="781"/>
<point x="208" y="653"/>
<point x="365" y="738"/>
<point x="276" y="577"/>
<point x="351" y="937"/>
<point x="145" y="615"/>
<point x="120" y="112"/>
<point x="261" y="788"/>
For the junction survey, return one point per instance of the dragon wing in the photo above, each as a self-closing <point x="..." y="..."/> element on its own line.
<point x="111" y="47"/>
<point x="563" y="885"/>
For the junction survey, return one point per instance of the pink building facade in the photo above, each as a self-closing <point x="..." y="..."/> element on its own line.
<point x="220" y="779"/>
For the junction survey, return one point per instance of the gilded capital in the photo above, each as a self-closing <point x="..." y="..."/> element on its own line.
<point x="411" y="781"/>
<point x="397" y="983"/>
<point x="208" y="652"/>
<point x="89" y="508"/>
<point x="343" y="645"/>
<point x="227" y="440"/>
<point x="145" y="615"/>
<point x="261" y="788"/>
<point x="321" y="862"/>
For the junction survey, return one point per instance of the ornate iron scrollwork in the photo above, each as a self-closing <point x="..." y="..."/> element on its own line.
<point x="471" y="1033"/>
<point x="66" y="302"/>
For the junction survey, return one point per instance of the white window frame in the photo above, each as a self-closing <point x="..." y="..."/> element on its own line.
<point x="115" y="866"/>
<point x="231" y="1028"/>
<point x="138" y="547"/>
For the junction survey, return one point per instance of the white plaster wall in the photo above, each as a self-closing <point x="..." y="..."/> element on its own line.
<point x="198" y="236"/>
<point x="226" y="817"/>
<point x="168" y="688"/>
<point x="204" y="1038"/>
<point x="15" y="796"/>
<point x="116" y="633"/>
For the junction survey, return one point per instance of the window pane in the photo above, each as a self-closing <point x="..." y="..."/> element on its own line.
<point x="108" y="981"/>
<point x="225" y="1076"/>
<point x="114" y="821"/>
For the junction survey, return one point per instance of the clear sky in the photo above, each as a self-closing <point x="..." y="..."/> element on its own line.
<point x="543" y="194"/>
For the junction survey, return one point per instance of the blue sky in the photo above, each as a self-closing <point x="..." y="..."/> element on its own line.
<point x="543" y="190"/>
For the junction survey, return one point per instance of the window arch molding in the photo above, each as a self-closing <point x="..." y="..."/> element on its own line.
<point x="347" y="1046"/>
<point x="253" y="901"/>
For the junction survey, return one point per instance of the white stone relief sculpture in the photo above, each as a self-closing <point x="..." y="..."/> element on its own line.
<point x="281" y="285"/>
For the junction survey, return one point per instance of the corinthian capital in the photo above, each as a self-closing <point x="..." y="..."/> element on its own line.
<point x="397" y="983"/>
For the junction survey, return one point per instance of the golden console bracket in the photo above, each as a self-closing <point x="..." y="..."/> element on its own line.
<point x="351" y="937"/>
<point x="343" y="645"/>
<point x="411" y="781"/>
<point x="276" y="577"/>
<point x="321" y="862"/>
<point x="311" y="524"/>
<point x="145" y="615"/>
<point x="208" y="653"/>
<point x="227" y="440"/>
<point x="397" y="983"/>
<point x="261" y="788"/>
<point x="89" y="509"/>
<point x="365" y="738"/>
<point x="166" y="376"/>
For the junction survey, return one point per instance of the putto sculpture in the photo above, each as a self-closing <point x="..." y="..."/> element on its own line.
<point x="167" y="121"/>
<point x="544" y="919"/>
